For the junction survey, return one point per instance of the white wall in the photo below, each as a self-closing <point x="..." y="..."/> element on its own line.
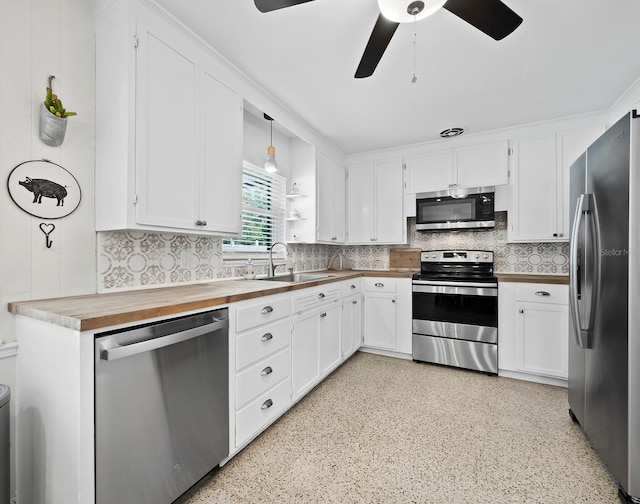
<point x="39" y="38"/>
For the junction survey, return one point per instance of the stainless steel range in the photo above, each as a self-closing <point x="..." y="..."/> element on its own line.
<point x="455" y="310"/>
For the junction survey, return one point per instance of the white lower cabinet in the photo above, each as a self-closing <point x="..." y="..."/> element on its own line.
<point x="387" y="314"/>
<point x="315" y="338"/>
<point x="533" y="331"/>
<point x="351" y="325"/>
<point x="261" y="367"/>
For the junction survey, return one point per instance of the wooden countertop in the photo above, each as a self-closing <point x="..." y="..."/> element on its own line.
<point x="528" y="278"/>
<point x="95" y="311"/>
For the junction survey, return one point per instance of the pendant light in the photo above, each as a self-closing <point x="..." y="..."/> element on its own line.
<point x="270" y="164"/>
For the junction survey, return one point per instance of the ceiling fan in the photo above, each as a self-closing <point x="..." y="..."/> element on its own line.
<point x="491" y="17"/>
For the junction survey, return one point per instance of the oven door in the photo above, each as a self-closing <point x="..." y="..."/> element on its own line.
<point x="468" y="312"/>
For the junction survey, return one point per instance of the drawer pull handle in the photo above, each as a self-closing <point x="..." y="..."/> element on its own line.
<point x="379" y="284"/>
<point x="267" y="309"/>
<point x="542" y="293"/>
<point x="267" y="404"/>
<point x="266" y="371"/>
<point x="321" y="296"/>
<point x="267" y="337"/>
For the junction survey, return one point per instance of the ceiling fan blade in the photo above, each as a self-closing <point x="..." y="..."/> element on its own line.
<point x="489" y="16"/>
<point x="271" y="5"/>
<point x="378" y="42"/>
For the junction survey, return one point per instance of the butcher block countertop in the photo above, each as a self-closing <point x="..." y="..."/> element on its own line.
<point x="528" y="278"/>
<point x="96" y="311"/>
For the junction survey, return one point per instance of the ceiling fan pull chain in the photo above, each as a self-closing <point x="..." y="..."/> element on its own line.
<point x="415" y="50"/>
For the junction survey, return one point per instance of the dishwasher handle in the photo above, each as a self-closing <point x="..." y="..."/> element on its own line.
<point x="119" y="352"/>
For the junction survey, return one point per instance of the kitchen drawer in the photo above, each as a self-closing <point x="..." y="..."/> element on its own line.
<point x="314" y="298"/>
<point x="255" y="345"/>
<point x="542" y="293"/>
<point x="262" y="376"/>
<point x="379" y="284"/>
<point x="351" y="287"/>
<point x="260" y="412"/>
<point x="261" y="312"/>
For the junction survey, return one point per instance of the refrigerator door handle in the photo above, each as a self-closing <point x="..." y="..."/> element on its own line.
<point x="596" y="258"/>
<point x="574" y="277"/>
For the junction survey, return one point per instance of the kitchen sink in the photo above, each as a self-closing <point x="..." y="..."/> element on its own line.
<point x="295" y="277"/>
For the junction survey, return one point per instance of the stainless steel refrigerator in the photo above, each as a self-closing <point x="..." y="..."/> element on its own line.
<point x="604" y="342"/>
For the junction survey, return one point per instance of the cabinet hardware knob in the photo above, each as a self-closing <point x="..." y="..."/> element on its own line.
<point x="542" y="293"/>
<point x="267" y="309"/>
<point x="323" y="315"/>
<point x="266" y="371"/>
<point x="520" y="311"/>
<point x="334" y="238"/>
<point x="201" y="223"/>
<point x="353" y="286"/>
<point x="354" y="302"/>
<point x="393" y="300"/>
<point x="267" y="404"/>
<point x="379" y="284"/>
<point x="372" y="239"/>
<point x="266" y="337"/>
<point x="321" y="296"/>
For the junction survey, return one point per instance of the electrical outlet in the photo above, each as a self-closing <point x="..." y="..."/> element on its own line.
<point x="184" y="260"/>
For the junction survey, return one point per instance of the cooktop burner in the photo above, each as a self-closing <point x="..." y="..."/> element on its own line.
<point x="456" y="265"/>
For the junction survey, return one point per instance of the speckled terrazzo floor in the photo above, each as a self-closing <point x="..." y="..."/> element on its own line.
<point x="383" y="430"/>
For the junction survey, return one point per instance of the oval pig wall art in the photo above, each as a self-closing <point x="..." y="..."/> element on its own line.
<point x="44" y="189"/>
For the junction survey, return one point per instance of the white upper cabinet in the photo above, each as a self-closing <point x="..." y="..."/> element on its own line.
<point x="375" y="202"/>
<point x="320" y="202"/>
<point x="169" y="132"/>
<point x="540" y="206"/>
<point x="331" y="201"/>
<point x="473" y="166"/>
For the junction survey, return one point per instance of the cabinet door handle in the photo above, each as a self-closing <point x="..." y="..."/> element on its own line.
<point x="323" y="315"/>
<point x="379" y="284"/>
<point x="267" y="404"/>
<point x="353" y="286"/>
<point x="321" y="296"/>
<point x="520" y="311"/>
<point x="266" y="337"/>
<point x="267" y="309"/>
<point x="201" y="223"/>
<point x="266" y="371"/>
<point x="354" y="302"/>
<point x="557" y="235"/>
<point x="542" y="293"/>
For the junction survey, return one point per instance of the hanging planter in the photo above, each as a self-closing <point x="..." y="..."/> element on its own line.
<point x="53" y="118"/>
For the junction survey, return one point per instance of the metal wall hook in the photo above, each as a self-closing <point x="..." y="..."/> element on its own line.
<point x="47" y="229"/>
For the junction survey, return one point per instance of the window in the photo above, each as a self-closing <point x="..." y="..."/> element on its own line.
<point x="262" y="211"/>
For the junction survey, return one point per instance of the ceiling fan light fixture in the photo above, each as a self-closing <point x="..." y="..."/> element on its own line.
<point x="406" y="11"/>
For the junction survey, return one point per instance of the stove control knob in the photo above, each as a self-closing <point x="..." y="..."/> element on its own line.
<point x="477" y="256"/>
<point x="433" y="256"/>
<point x="486" y="256"/>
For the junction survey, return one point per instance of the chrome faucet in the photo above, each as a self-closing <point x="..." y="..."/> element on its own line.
<point x="272" y="267"/>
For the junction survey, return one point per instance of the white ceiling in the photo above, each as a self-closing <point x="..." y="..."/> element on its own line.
<point x="568" y="57"/>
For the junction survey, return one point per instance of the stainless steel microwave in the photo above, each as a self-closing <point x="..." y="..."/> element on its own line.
<point x="469" y="208"/>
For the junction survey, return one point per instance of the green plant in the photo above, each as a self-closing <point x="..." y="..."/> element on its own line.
<point x="53" y="103"/>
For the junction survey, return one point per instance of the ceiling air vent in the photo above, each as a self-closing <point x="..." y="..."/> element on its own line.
<point x="451" y="132"/>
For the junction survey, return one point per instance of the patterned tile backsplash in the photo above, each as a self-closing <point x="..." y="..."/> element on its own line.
<point x="134" y="259"/>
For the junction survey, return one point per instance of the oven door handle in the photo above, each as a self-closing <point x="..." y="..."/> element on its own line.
<point x="456" y="284"/>
<point x="456" y="291"/>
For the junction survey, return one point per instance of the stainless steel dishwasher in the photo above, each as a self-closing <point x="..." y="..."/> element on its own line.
<point x="161" y="407"/>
